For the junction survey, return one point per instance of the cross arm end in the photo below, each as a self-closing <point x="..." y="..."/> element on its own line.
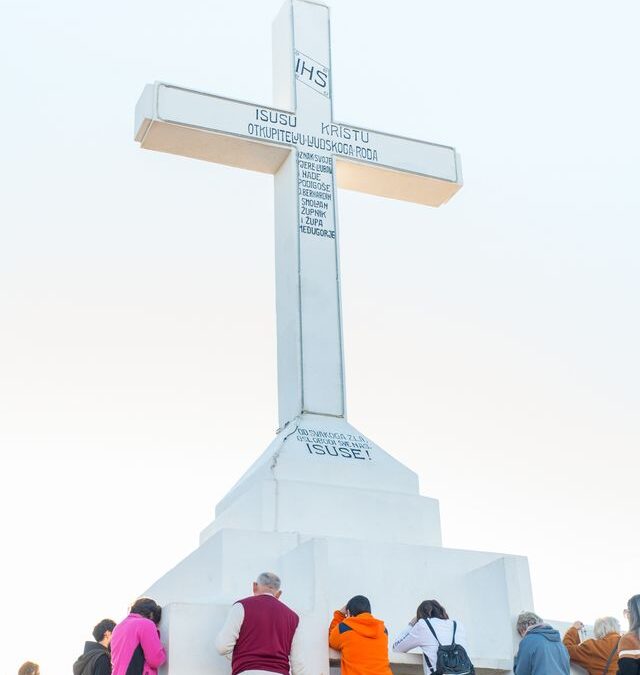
<point x="397" y="184"/>
<point x="145" y="112"/>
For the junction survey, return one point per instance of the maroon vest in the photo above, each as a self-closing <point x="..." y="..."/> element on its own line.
<point x="265" y="636"/>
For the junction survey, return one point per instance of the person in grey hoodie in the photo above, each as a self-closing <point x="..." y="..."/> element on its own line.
<point x="541" y="651"/>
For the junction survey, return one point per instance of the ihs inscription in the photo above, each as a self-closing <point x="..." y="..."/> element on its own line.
<point x="312" y="73"/>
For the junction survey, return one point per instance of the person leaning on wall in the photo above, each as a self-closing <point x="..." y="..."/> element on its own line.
<point x="135" y="642"/>
<point x="427" y="630"/>
<point x="629" y="648"/>
<point x="261" y="633"/>
<point x="361" y="639"/>
<point x="599" y="655"/>
<point x="541" y="651"/>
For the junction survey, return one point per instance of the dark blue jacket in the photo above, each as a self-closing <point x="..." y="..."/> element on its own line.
<point x="542" y="653"/>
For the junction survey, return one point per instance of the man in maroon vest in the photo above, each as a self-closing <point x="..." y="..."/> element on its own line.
<point x="261" y="633"/>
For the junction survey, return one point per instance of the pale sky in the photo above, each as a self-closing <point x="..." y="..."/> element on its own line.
<point x="491" y="345"/>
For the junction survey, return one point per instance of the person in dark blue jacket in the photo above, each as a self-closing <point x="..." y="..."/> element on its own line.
<point x="541" y="650"/>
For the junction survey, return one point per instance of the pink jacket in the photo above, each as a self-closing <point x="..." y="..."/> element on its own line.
<point x="127" y="635"/>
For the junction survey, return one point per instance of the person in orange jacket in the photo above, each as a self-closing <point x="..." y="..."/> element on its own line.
<point x="361" y="639"/>
<point x="600" y="654"/>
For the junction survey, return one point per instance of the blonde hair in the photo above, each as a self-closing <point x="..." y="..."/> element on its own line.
<point x="605" y="625"/>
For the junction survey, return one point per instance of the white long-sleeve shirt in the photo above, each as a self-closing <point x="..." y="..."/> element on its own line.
<point x="420" y="636"/>
<point x="228" y="636"/>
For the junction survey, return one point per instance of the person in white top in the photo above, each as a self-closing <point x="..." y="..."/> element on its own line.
<point x="417" y="633"/>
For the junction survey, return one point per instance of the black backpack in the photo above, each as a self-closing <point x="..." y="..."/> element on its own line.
<point x="452" y="659"/>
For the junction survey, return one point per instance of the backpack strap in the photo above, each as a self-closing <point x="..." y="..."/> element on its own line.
<point x="426" y="658"/>
<point x="453" y="639"/>
<point x="432" y="631"/>
<point x="613" y="653"/>
<point x="431" y="668"/>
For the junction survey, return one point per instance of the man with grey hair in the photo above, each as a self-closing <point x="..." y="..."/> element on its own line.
<point x="599" y="655"/>
<point x="260" y="634"/>
<point x="541" y="652"/>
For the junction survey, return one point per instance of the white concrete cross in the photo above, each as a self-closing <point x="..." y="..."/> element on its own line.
<point x="309" y="154"/>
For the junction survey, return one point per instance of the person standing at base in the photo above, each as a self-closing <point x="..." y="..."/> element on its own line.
<point x="261" y="633"/>
<point x="96" y="658"/>
<point x="428" y="629"/>
<point x="135" y="643"/>
<point x="598" y="656"/>
<point x="541" y="651"/>
<point x="361" y="639"/>
<point x="629" y="648"/>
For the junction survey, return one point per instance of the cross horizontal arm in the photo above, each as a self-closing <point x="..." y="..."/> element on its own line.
<point x="401" y="168"/>
<point x="215" y="129"/>
<point x="222" y="130"/>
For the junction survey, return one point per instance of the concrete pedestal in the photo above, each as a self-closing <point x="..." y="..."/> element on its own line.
<point x="334" y="515"/>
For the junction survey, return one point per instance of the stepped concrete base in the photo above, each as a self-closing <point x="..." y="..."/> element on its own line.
<point x="335" y="515"/>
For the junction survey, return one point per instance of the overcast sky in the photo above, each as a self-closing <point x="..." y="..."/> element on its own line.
<point x="491" y="345"/>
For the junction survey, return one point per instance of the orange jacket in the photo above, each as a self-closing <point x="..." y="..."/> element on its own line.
<point x="363" y="643"/>
<point x="592" y="654"/>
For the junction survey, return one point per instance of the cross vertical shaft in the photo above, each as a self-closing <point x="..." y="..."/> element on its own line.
<point x="310" y="352"/>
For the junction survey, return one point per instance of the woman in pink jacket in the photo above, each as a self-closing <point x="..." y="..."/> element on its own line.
<point x="135" y="642"/>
